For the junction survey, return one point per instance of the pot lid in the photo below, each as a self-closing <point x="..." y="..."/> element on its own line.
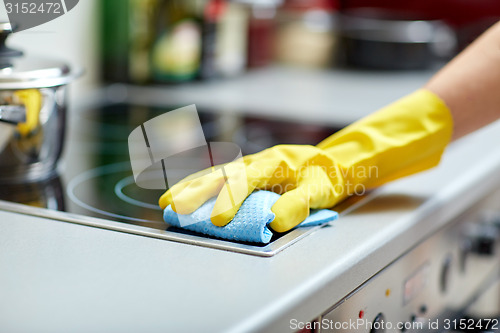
<point x="18" y="71"/>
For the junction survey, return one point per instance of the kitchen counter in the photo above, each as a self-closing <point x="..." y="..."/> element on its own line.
<point x="62" y="277"/>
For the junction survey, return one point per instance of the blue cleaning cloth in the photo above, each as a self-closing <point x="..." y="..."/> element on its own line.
<point x="250" y="223"/>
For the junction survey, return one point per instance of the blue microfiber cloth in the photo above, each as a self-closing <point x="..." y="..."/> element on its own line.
<point x="250" y="223"/>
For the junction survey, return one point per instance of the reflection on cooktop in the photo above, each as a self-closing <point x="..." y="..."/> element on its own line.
<point x="96" y="177"/>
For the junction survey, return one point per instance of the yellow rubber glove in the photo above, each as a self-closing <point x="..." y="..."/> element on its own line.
<point x="403" y="138"/>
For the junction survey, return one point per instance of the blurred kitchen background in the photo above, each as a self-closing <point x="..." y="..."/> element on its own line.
<point x="290" y="58"/>
<point x="177" y="41"/>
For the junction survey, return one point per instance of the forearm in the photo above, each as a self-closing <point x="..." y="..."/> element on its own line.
<point x="470" y="84"/>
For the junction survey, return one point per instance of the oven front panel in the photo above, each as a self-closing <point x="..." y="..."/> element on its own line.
<point x="429" y="287"/>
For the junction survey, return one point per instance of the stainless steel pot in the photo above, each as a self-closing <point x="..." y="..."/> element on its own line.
<point x="33" y="98"/>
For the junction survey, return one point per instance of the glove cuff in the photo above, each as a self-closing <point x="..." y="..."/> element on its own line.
<point x="403" y="138"/>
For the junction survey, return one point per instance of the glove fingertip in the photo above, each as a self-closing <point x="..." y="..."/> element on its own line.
<point x="224" y="218"/>
<point x="290" y="210"/>
<point x="165" y="200"/>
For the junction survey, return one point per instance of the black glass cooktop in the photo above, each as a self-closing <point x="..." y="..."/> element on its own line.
<point x="95" y="176"/>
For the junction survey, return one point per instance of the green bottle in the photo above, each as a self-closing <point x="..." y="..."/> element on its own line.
<point x="176" y="54"/>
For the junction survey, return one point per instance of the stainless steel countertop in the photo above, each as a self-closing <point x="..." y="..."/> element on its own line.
<point x="62" y="277"/>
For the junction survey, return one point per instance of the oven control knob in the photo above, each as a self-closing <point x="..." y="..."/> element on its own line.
<point x="484" y="239"/>
<point x="378" y="325"/>
<point x="445" y="275"/>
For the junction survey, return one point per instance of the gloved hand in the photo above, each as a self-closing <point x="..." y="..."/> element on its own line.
<point x="403" y="138"/>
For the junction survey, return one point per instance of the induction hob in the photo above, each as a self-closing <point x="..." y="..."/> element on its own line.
<point x="95" y="186"/>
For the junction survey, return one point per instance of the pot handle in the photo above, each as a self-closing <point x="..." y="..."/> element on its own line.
<point x="6" y="52"/>
<point x="13" y="114"/>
